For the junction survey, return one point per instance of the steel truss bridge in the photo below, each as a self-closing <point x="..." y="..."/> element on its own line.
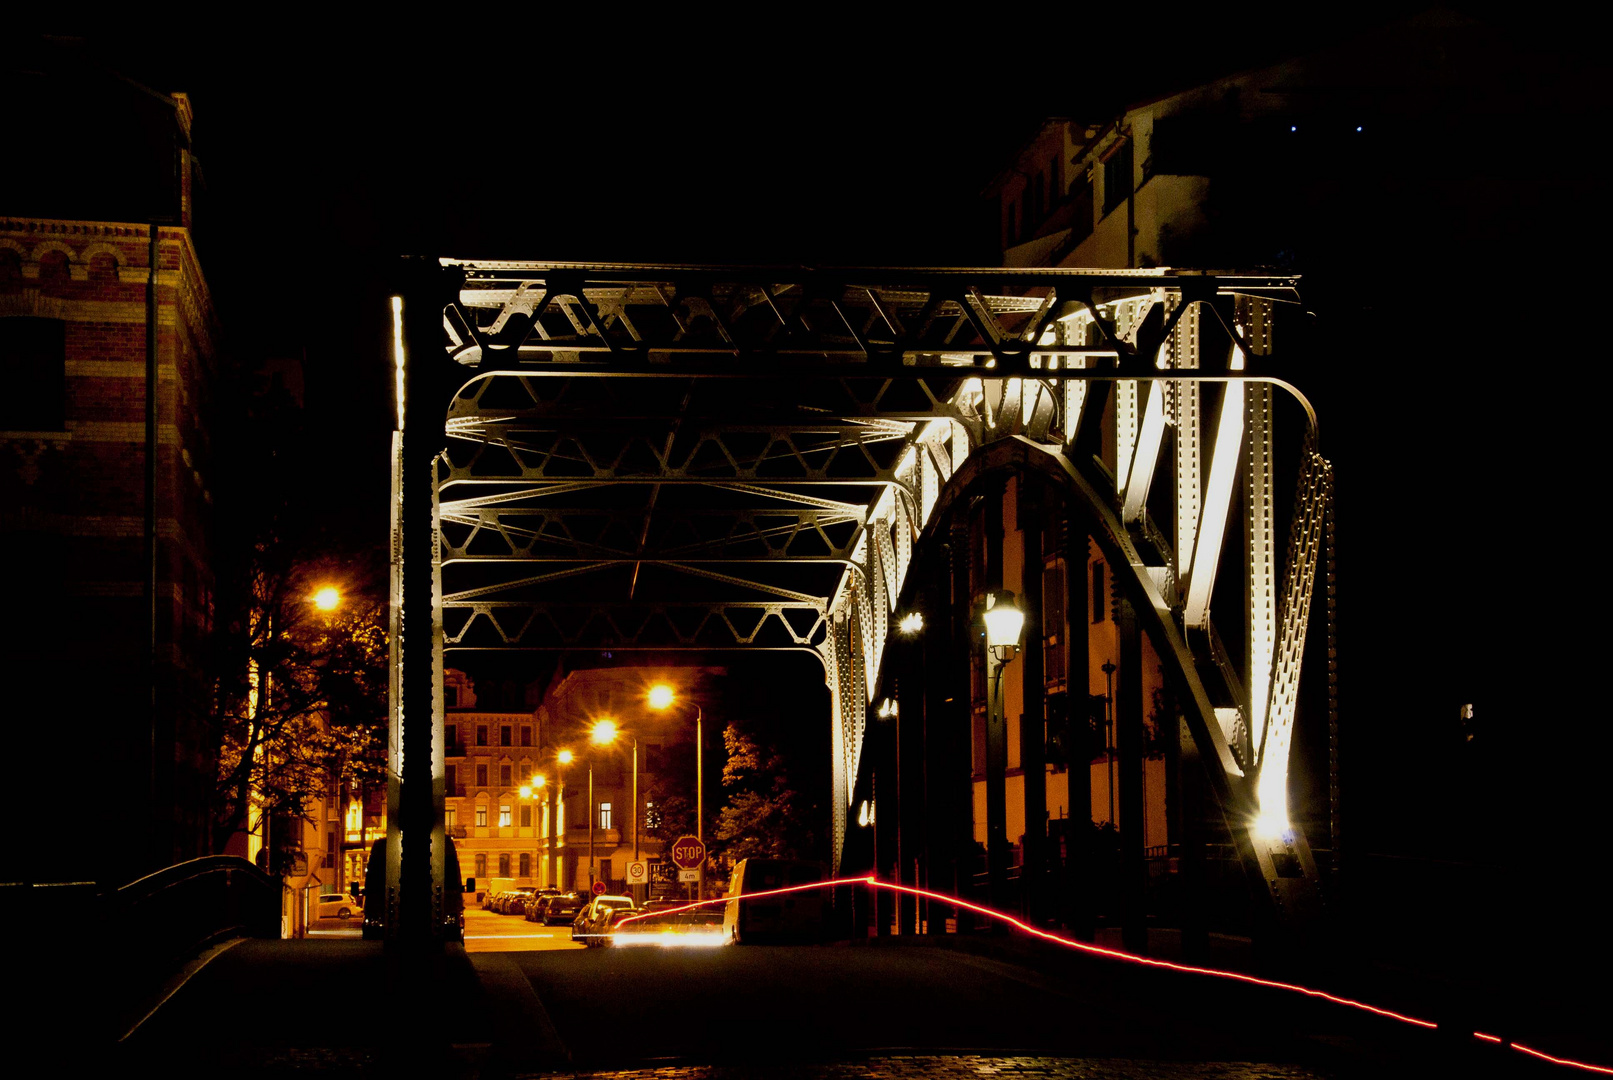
<point x="609" y="456"/>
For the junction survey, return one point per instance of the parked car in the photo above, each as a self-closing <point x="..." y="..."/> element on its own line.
<point x="593" y="920"/>
<point x="535" y="905"/>
<point x="562" y="909"/>
<point x="337" y="906"/>
<point x="791" y="916"/>
<point x="514" y="901"/>
<point x="453" y="908"/>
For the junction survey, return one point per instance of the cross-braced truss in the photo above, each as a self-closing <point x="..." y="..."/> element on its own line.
<point x="659" y="458"/>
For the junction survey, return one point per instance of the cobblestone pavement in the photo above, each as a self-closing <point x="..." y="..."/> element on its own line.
<point x="964" y="1067"/>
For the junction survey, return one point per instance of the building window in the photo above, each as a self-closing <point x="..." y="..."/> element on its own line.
<point x="450" y="736"/>
<point x="504" y="817"/>
<point x="481" y="734"/>
<point x="481" y="776"/>
<point x="1100" y="596"/>
<point x="526" y="864"/>
<point x="503" y="776"/>
<point x="481" y="864"/>
<point x="450" y="697"/>
<point x="504" y="735"/>
<point x="1053" y="622"/>
<point x="33" y="355"/>
<point x="450" y="818"/>
<point x="604" y="815"/>
<point x="453" y="776"/>
<point x="1117" y="176"/>
<point x="526" y="817"/>
<point x="481" y="817"/>
<point x="504" y="864"/>
<point x="526" y="734"/>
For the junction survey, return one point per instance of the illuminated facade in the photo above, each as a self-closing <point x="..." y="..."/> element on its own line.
<point x="574" y="701"/>
<point x="491" y="754"/>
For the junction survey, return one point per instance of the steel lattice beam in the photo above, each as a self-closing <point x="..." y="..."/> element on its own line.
<point x="677" y="513"/>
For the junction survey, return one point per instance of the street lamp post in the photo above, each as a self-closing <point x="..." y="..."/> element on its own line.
<point x="1004" y="623"/>
<point x="661" y="697"/>
<point x="529" y="792"/>
<point x="603" y="733"/>
<point x="557" y="816"/>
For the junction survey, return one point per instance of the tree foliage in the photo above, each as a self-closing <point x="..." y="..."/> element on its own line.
<point x="303" y="707"/>
<point x="764" y="816"/>
<point x="300" y="697"/>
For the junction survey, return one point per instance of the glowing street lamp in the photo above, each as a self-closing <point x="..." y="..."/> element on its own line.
<point x="1004" y="624"/>
<point x="558" y="814"/>
<point x="328" y="599"/>
<point x="603" y="733"/>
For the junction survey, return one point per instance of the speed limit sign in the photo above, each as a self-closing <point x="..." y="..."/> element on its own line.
<point x="638" y="872"/>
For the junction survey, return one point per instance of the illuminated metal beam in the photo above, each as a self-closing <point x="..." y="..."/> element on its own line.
<point x="1212" y="527"/>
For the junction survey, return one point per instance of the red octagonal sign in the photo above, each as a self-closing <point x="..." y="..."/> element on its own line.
<point x="688" y="853"/>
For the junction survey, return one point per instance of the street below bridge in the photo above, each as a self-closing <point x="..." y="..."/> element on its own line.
<point x="965" y="1006"/>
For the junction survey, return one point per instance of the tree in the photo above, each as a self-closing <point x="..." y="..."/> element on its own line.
<point x="303" y="709"/>
<point x="300" y="701"/>
<point x="764" y="815"/>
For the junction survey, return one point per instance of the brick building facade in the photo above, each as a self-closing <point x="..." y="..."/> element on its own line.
<point x="109" y="604"/>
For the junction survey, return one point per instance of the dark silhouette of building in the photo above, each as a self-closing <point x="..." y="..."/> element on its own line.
<point x="108" y="346"/>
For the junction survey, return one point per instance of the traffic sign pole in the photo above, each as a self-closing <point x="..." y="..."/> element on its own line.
<point x="689" y="856"/>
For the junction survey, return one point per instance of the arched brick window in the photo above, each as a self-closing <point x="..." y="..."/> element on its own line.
<point x="53" y="267"/>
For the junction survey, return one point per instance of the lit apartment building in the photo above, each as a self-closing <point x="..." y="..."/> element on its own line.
<point x="492" y="754"/>
<point x="571" y="705"/>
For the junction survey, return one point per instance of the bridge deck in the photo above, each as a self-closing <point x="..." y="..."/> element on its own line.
<point x="271" y="1007"/>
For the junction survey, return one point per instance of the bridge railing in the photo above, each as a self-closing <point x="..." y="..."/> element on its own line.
<point x="96" y="960"/>
<point x="164" y="918"/>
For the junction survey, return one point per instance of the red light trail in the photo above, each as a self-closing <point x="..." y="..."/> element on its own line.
<point x="1116" y="954"/>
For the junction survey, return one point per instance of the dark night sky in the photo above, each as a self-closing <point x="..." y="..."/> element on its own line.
<point x="824" y="135"/>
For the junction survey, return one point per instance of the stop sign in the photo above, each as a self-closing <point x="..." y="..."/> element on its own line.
<point x="688" y="853"/>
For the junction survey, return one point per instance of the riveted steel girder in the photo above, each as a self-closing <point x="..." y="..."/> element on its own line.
<point x="654" y="457"/>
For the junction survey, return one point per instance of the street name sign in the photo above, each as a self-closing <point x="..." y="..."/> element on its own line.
<point x="688" y="853"/>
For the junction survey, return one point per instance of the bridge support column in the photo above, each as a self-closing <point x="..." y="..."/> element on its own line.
<point x="1190" y="843"/>
<point x="415" y="843"/>
<point x="912" y="794"/>
<point x="952" y="867"/>
<point x="1032" y="720"/>
<point x="1131" y="809"/>
<point x="1078" y="829"/>
<point x="941" y="819"/>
